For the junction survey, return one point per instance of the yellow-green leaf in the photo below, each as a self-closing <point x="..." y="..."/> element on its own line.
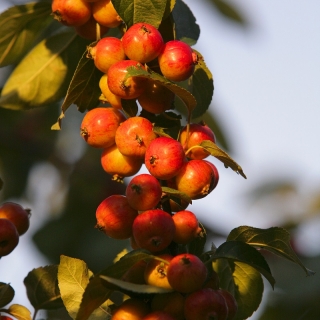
<point x="20" y="312"/>
<point x="222" y="156"/>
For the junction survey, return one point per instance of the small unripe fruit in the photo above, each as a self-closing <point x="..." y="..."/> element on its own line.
<point x="186" y="273"/>
<point x="9" y="237"/>
<point x="115" y="217"/>
<point x="17" y="215"/>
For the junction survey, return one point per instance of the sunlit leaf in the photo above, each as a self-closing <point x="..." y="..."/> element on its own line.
<point x="222" y="156"/>
<point x="133" y="11"/>
<point x="186" y="28"/>
<point x="42" y="288"/>
<point x="177" y="194"/>
<point x="275" y="239"/>
<point x="20" y="312"/>
<point x="20" y="26"/>
<point x="43" y="74"/>
<point x="6" y="294"/>
<point x="242" y="252"/>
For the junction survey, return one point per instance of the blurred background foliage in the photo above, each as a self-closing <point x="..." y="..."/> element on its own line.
<point x="59" y="170"/>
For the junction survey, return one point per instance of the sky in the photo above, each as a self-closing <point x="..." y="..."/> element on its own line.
<point x="267" y="98"/>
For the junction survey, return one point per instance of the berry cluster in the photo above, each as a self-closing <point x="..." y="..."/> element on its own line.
<point x="14" y="222"/>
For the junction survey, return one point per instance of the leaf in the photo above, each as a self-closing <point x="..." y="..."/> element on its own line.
<point x="242" y="252"/>
<point x="186" y="28"/>
<point x="196" y="246"/>
<point x="42" y="288"/>
<point x="19" y="312"/>
<point x="6" y="294"/>
<point x="133" y="11"/>
<point x="130" y="107"/>
<point x="187" y="98"/>
<point x="96" y="293"/>
<point x="83" y="89"/>
<point x="128" y="287"/>
<point x="177" y="194"/>
<point x="73" y="277"/>
<point x="275" y="239"/>
<point x="222" y="156"/>
<point x="229" y="12"/>
<point x="202" y="87"/>
<point x="42" y="76"/>
<point x="20" y="26"/>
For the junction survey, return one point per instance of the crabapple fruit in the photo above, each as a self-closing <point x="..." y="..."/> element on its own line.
<point x="130" y="309"/>
<point x="231" y="303"/>
<point x="115" y="217"/>
<point x="159" y="315"/>
<point x="153" y="230"/>
<point x="9" y="237"/>
<point x="89" y="30"/>
<point x="186" y="273"/>
<point x="105" y="14"/>
<point x="142" y="42"/>
<point x="134" y="136"/>
<point x="19" y="216"/>
<point x="99" y="125"/>
<point x="112" y="99"/>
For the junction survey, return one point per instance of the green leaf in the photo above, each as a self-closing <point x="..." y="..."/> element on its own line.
<point x="20" y="312"/>
<point x="222" y="156"/>
<point x="20" y="26"/>
<point x="6" y="294"/>
<point x="96" y="293"/>
<point x="202" y="87"/>
<point x="133" y="11"/>
<point x="128" y="287"/>
<point x="42" y="288"/>
<point x="177" y="194"/>
<point x="187" y="98"/>
<point x="275" y="239"/>
<point x="83" y="89"/>
<point x="224" y="268"/>
<point x="186" y="28"/>
<point x="73" y="277"/>
<point x="42" y="76"/>
<point x="242" y="252"/>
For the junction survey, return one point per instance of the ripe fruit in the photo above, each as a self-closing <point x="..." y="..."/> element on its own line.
<point x="115" y="217"/>
<point x="171" y="302"/>
<point x="5" y="318"/>
<point x="89" y="30"/>
<point x="197" y="134"/>
<point x="71" y="12"/>
<point x="215" y="174"/>
<point x="111" y="98"/>
<point x="9" y="237"/>
<point x="195" y="179"/>
<point x="99" y="125"/>
<point x="119" y="166"/>
<point x="213" y="282"/>
<point x="176" y="60"/>
<point x="231" y="303"/>
<point x="106" y="52"/>
<point x="155" y="272"/>
<point x="187" y="226"/>
<point x="205" y="304"/>
<point x="130" y="309"/>
<point x="153" y="230"/>
<point x="129" y="88"/>
<point x="104" y="13"/>
<point x="186" y="273"/>
<point x="143" y="192"/>
<point x="142" y="42"/>
<point x="17" y="215"/>
<point x="134" y="136"/>
<point x="158" y="315"/>
<point x="164" y="158"/>
<point x="156" y="98"/>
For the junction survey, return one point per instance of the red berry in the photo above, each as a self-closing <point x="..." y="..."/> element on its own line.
<point x="9" y="237"/>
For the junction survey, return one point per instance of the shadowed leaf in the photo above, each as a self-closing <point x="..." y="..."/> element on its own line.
<point x="6" y="294"/>
<point x="177" y="194"/>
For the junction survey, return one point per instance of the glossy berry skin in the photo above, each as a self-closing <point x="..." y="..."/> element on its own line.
<point x="130" y="309"/>
<point x="186" y="273"/>
<point x="9" y="237"/>
<point x="205" y="304"/>
<point x="104" y="13"/>
<point x="106" y="52"/>
<point x="176" y="61"/>
<point x="164" y="158"/>
<point x="197" y="134"/>
<point x="143" y="192"/>
<point x="142" y="42"/>
<point x="71" y="12"/>
<point x="109" y="97"/>
<point x="231" y="303"/>
<point x="134" y="136"/>
<point x="129" y="88"/>
<point x="115" y="217"/>
<point x="153" y="230"/>
<point x="17" y="215"/>
<point x="99" y="125"/>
